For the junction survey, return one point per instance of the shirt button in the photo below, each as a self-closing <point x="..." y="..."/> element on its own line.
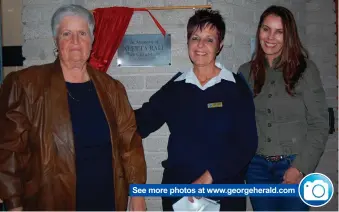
<point x="268" y="110"/>
<point x="269" y="95"/>
<point x="268" y="139"/>
<point x="269" y="125"/>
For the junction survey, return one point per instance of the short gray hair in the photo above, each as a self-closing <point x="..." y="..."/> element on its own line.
<point x="72" y="10"/>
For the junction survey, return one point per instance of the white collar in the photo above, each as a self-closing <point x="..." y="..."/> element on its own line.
<point x="190" y="77"/>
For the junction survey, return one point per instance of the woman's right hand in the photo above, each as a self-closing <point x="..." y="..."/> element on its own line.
<point x="206" y="178"/>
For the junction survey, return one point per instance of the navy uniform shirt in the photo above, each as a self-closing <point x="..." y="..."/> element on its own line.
<point x="212" y="127"/>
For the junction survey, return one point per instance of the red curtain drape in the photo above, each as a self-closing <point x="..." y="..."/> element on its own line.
<point x="110" y="27"/>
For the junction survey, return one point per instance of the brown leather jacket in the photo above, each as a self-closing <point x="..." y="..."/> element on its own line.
<point x="37" y="167"/>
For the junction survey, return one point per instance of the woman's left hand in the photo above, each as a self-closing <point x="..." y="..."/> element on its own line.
<point x="292" y="176"/>
<point x="205" y="178"/>
<point x="137" y="204"/>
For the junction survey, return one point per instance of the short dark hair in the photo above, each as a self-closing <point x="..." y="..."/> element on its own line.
<point x="206" y="17"/>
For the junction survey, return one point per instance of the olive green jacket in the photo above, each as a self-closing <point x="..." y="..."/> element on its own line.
<point x="291" y="125"/>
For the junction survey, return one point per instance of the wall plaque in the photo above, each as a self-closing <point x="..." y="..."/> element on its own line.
<point x="145" y="50"/>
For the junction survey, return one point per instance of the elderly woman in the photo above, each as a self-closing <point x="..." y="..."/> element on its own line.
<point x="207" y="110"/>
<point x="68" y="136"/>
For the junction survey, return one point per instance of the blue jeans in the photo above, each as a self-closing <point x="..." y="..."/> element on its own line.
<point x="261" y="171"/>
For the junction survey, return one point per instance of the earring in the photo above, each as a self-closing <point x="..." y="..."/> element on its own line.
<point x="55" y="52"/>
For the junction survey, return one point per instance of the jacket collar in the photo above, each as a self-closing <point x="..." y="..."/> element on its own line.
<point x="275" y="62"/>
<point x="190" y="77"/>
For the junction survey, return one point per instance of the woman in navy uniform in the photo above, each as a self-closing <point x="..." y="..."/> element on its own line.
<point x="207" y="110"/>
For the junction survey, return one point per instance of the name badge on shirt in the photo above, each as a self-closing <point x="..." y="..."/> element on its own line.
<point x="214" y="105"/>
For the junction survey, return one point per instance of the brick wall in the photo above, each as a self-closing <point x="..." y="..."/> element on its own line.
<point x="320" y="40"/>
<point x="316" y="22"/>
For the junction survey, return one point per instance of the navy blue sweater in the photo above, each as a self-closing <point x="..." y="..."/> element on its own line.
<point x="93" y="150"/>
<point x="221" y="138"/>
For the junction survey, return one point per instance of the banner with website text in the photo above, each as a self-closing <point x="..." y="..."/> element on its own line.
<point x="315" y="190"/>
<point x="199" y="190"/>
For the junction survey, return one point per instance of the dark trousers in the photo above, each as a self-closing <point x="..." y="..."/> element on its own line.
<point x="2" y="207"/>
<point x="261" y="171"/>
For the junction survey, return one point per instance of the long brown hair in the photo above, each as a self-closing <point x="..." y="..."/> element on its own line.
<point x="292" y="58"/>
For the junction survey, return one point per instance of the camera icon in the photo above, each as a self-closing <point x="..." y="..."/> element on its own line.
<point x="316" y="190"/>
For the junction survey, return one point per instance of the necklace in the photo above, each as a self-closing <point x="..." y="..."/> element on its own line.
<point x="78" y="100"/>
<point x="70" y="95"/>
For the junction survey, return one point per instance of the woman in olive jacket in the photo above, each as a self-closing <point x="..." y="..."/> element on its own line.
<point x="291" y="110"/>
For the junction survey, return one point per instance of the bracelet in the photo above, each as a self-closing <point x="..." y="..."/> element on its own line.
<point x="302" y="173"/>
